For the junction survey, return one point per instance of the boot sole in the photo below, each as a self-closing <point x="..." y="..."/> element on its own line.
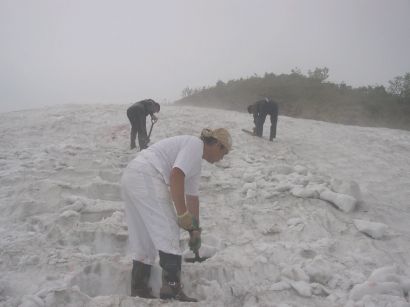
<point x="166" y="297"/>
<point x="170" y="297"/>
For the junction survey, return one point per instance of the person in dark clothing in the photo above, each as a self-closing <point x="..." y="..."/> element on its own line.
<point x="137" y="114"/>
<point x="259" y="110"/>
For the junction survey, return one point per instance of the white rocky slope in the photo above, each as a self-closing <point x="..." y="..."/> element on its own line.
<point x="316" y="218"/>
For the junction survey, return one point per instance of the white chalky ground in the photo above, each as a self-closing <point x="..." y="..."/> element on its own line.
<point x="319" y="217"/>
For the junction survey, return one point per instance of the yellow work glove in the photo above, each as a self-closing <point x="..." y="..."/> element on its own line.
<point x="187" y="221"/>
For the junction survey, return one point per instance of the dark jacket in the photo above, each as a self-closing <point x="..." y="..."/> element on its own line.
<point x="147" y="105"/>
<point x="264" y="107"/>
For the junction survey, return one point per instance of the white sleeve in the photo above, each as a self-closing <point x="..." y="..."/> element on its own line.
<point x="189" y="161"/>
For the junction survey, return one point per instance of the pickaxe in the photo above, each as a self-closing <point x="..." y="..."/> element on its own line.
<point x="197" y="258"/>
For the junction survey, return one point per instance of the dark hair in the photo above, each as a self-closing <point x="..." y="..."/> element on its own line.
<point x="250" y="108"/>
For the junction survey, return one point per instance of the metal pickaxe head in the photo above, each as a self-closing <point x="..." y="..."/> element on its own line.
<point x="197" y="258"/>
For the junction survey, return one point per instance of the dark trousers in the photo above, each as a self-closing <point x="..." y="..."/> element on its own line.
<point x="259" y="121"/>
<point x="137" y="118"/>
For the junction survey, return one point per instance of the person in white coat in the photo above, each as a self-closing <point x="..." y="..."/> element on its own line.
<point x="160" y="192"/>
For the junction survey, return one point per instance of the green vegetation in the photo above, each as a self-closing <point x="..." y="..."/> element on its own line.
<point x="310" y="96"/>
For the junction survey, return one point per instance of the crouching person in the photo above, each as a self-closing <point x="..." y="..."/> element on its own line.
<point x="160" y="192"/>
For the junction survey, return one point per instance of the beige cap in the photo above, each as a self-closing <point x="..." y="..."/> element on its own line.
<point x="221" y="134"/>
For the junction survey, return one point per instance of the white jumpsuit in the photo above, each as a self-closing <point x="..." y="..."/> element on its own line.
<point x="149" y="211"/>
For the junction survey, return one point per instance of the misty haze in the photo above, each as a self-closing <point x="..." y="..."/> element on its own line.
<point x="94" y="52"/>
<point x="306" y="207"/>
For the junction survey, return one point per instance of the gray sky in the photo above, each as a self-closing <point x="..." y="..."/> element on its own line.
<point x="100" y="51"/>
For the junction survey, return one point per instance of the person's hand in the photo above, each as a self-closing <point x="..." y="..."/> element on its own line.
<point x="187" y="221"/>
<point x="154" y="119"/>
<point x="195" y="240"/>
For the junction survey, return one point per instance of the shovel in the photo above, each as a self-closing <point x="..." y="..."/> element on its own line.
<point x="149" y="134"/>
<point x="197" y="258"/>
<point x="150" y="129"/>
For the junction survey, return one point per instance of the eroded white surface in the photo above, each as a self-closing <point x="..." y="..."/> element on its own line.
<point x="277" y="217"/>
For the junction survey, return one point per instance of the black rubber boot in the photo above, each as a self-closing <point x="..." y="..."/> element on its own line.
<point x="139" y="280"/>
<point x="171" y="278"/>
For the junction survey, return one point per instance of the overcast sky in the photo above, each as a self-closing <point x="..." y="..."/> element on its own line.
<point x="121" y="51"/>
